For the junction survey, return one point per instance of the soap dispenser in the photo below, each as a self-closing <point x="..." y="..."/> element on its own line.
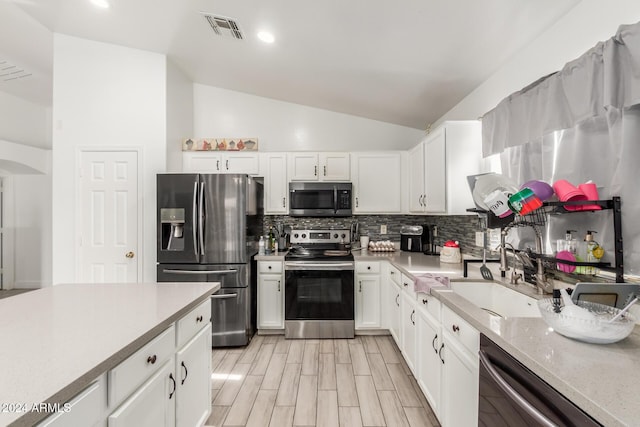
<point x="593" y="252"/>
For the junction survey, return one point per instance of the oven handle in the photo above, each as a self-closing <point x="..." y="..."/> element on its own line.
<point x="318" y="266"/>
<point x="512" y="394"/>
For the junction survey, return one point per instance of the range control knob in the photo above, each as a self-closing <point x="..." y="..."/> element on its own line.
<point x="344" y="236"/>
<point x="295" y="235"/>
<point x="335" y="236"/>
<point x="304" y="236"/>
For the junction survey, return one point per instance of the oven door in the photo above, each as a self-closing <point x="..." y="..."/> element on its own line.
<point x="320" y="294"/>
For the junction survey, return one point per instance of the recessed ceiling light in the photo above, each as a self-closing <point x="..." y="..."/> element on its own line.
<point x="104" y="4"/>
<point x="266" y="37"/>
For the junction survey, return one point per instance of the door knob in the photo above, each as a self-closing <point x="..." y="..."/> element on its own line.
<point x="130" y="254"/>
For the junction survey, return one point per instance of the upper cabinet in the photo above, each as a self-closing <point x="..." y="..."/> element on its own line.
<point x="377" y="183"/>
<point x="221" y="162"/>
<point x="323" y="166"/>
<point x="439" y="166"/>
<point x="276" y="188"/>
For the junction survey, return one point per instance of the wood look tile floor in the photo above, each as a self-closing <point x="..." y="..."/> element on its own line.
<point x="274" y="382"/>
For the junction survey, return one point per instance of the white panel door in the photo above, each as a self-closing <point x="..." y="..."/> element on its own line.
<point x="108" y="217"/>
<point x="367" y="304"/>
<point x="416" y="179"/>
<point x="270" y="301"/>
<point x="303" y="167"/>
<point x="435" y="173"/>
<point x="377" y="182"/>
<point x="276" y="187"/>
<point x="335" y="166"/>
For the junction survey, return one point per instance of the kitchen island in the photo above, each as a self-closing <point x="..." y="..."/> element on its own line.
<point x="58" y="340"/>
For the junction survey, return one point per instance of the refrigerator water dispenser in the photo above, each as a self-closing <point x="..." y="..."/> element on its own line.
<point x="172" y="220"/>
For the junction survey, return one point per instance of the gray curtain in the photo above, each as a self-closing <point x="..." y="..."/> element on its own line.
<point x="605" y="77"/>
<point x="580" y="124"/>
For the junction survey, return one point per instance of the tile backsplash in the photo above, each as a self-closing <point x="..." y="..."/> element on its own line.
<point x="455" y="227"/>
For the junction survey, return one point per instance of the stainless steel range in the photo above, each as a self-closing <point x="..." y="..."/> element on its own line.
<point x="319" y="280"/>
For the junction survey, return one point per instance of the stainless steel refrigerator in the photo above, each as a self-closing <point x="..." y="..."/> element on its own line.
<point x="208" y="228"/>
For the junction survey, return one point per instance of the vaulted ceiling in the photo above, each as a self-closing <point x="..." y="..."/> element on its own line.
<point x="405" y="62"/>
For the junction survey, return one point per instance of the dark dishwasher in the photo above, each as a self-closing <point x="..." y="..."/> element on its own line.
<point x="511" y="395"/>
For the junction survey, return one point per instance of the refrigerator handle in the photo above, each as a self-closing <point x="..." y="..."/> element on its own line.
<point x="201" y="219"/>
<point x="193" y="218"/>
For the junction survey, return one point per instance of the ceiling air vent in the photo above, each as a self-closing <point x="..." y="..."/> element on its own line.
<point x="223" y="26"/>
<point x="9" y="71"/>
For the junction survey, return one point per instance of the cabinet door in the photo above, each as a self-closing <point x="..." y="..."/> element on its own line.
<point x="408" y="330"/>
<point x="395" y="293"/>
<point x="460" y="385"/>
<point x="377" y="182"/>
<point x="367" y="307"/>
<point x="276" y="188"/>
<point x="429" y="365"/>
<point x="202" y="162"/>
<point x="153" y="404"/>
<point x="193" y="377"/>
<point x="270" y="301"/>
<point x="434" y="182"/>
<point x="416" y="179"/>
<point x="248" y="163"/>
<point x="334" y="166"/>
<point x="303" y="167"/>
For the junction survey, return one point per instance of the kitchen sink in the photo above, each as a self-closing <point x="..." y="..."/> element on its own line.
<point x="496" y="299"/>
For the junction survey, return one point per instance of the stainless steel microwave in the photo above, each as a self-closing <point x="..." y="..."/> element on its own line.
<point x="320" y="198"/>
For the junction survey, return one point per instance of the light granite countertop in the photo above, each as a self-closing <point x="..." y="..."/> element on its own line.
<point x="57" y="340"/>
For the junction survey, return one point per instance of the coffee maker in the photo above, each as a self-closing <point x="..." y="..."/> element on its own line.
<point x="429" y="234"/>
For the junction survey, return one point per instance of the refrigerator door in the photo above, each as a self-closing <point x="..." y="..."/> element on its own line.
<point x="231" y="318"/>
<point x="177" y="217"/>
<point x="223" y="219"/>
<point x="229" y="275"/>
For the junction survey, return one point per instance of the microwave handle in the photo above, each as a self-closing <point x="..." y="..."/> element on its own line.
<point x="335" y="199"/>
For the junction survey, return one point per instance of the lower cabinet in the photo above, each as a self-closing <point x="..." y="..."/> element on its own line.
<point x="270" y="295"/>
<point x="408" y="330"/>
<point x="152" y="405"/>
<point x="394" y="293"/>
<point x="367" y="296"/>
<point x="193" y="380"/>
<point x="429" y="364"/>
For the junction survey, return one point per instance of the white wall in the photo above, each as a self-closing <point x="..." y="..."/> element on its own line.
<point x="589" y="22"/>
<point x="283" y="126"/>
<point x="179" y="114"/>
<point x="104" y="96"/>
<point x="24" y="122"/>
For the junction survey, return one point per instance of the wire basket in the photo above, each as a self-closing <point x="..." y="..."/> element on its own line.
<point x="536" y="218"/>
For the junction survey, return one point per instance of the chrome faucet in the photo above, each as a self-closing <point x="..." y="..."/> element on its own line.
<point x="504" y="262"/>
<point x="543" y="284"/>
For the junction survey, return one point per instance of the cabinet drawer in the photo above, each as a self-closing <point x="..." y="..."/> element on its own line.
<point x="190" y="324"/>
<point x="368" y="267"/>
<point x="431" y="304"/>
<point x="408" y="286"/>
<point x="132" y="372"/>
<point x="270" y="267"/>
<point x="85" y="409"/>
<point x="394" y="275"/>
<point x="459" y="328"/>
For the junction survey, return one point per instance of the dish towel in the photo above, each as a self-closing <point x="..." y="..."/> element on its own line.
<point x="424" y="282"/>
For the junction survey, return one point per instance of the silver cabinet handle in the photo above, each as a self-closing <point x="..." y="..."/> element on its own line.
<point x="217" y="165"/>
<point x="284" y="202"/>
<point x="440" y="353"/>
<point x="424" y="200"/>
<point x="198" y="272"/>
<point x="325" y="170"/>
<point x="278" y="285"/>
<point x="360" y="289"/>
<point x="433" y="343"/>
<point x="315" y="171"/>
<point x="397" y="296"/>
<point x="224" y="296"/>
<point x="356" y="202"/>
<point x="514" y="395"/>
<point x="227" y="164"/>
<point x="413" y="320"/>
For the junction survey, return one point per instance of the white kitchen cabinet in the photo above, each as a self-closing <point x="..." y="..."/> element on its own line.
<point x="367" y="296"/>
<point x="439" y="166"/>
<point x="193" y="380"/>
<point x="270" y="295"/>
<point x="377" y="183"/>
<point x="220" y="162"/>
<point x="428" y="363"/>
<point x="408" y="330"/>
<point x="85" y="409"/>
<point x="322" y="166"/>
<point x="394" y="292"/>
<point x="460" y="375"/>
<point x="276" y="186"/>
<point x="152" y="405"/>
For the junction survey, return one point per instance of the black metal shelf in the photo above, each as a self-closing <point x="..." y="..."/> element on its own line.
<point x="538" y="218"/>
